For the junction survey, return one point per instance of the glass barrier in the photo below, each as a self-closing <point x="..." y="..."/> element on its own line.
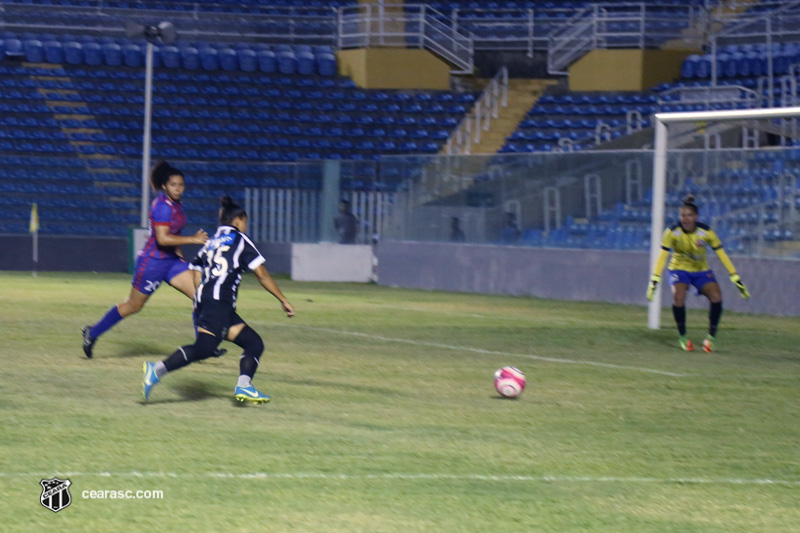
<point x="589" y="199"/>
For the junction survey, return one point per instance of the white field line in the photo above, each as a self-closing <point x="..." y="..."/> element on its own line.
<point x="418" y="477"/>
<point x="495" y="352"/>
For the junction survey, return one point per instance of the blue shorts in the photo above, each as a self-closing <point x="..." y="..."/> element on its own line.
<point x="149" y="272"/>
<point x="695" y="279"/>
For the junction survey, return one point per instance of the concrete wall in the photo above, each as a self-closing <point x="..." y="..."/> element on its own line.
<point x="394" y="68"/>
<point x="65" y="254"/>
<point x="103" y="254"/>
<point x="584" y="275"/>
<point x="625" y="70"/>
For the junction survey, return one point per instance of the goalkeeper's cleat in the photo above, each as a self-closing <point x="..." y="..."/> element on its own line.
<point x="88" y="341"/>
<point x="149" y="380"/>
<point x="686" y="344"/>
<point x="250" y="394"/>
<point x="708" y="344"/>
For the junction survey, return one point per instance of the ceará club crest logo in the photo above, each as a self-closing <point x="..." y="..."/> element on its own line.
<point x="55" y="494"/>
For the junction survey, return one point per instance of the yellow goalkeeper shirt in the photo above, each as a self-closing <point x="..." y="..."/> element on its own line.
<point x="689" y="249"/>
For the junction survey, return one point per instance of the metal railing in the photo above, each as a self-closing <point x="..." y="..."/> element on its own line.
<point x="710" y="97"/>
<point x="405" y="26"/>
<point x="297" y="25"/>
<point x="629" y="25"/>
<point x="486" y="108"/>
<point x="765" y="29"/>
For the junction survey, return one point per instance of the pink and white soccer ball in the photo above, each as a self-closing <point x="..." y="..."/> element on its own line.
<point x="509" y="382"/>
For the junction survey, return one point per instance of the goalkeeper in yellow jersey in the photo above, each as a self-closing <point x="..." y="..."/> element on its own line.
<point x="689" y="267"/>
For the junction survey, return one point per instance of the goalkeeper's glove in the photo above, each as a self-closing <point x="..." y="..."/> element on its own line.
<point x="651" y="287"/>
<point x="737" y="280"/>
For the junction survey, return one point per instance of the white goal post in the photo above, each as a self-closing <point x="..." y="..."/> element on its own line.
<point x="662" y="121"/>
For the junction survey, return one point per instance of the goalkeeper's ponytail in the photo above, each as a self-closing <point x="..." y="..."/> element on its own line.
<point x="688" y="201"/>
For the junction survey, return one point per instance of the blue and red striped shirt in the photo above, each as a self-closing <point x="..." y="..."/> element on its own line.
<point x="163" y="212"/>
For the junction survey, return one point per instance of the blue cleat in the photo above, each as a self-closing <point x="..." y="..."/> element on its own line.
<point x="250" y="394"/>
<point x="149" y="380"/>
<point x="88" y="341"/>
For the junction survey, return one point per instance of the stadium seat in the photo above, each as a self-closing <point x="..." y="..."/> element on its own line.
<point x="190" y="58"/>
<point x="171" y="57"/>
<point x="247" y="60"/>
<point x="53" y="52"/>
<point x="306" y="63"/>
<point x="267" y="61"/>
<point x="133" y="55"/>
<point x="92" y="54"/>
<point x="287" y="62"/>
<point x="13" y="49"/>
<point x="34" y="51"/>
<point x="112" y="54"/>
<point x="228" y="60"/>
<point x="73" y="53"/>
<point x="209" y="59"/>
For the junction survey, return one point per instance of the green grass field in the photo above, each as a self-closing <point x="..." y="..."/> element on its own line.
<point x="384" y="417"/>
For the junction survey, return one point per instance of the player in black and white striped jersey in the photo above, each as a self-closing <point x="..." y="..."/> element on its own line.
<point x="218" y="269"/>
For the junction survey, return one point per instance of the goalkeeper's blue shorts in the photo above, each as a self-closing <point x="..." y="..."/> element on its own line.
<point x="695" y="279"/>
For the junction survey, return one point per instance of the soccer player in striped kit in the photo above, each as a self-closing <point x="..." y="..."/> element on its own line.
<point x="161" y="259"/>
<point x="689" y="266"/>
<point x="218" y="267"/>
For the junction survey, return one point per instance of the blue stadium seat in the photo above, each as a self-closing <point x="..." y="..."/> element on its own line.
<point x="306" y="63"/>
<point x="171" y="57"/>
<point x="53" y="52"/>
<point x="13" y="48"/>
<point x="247" y="60"/>
<point x="190" y="58"/>
<point x="228" y="60"/>
<point x="133" y="55"/>
<point x="92" y="54"/>
<point x="73" y="53"/>
<point x="112" y="54"/>
<point x="34" y="51"/>
<point x="209" y="59"/>
<point x="287" y="62"/>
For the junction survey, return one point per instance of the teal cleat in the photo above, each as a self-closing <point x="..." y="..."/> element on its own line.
<point x="149" y="380"/>
<point x="250" y="394"/>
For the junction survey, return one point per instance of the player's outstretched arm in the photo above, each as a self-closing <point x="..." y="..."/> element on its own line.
<point x="736" y="279"/>
<point x="269" y="284"/>
<point x="165" y="238"/>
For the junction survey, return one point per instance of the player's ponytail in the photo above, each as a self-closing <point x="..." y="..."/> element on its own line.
<point x="160" y="174"/>
<point x="688" y="201"/>
<point x="229" y="211"/>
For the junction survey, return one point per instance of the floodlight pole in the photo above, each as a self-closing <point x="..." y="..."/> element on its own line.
<point x="660" y="174"/>
<point x="148" y="110"/>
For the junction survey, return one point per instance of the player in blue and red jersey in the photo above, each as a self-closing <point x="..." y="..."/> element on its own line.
<point x="161" y="259"/>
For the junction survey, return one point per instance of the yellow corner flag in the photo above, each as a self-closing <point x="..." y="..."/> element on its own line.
<point x="34" y="224"/>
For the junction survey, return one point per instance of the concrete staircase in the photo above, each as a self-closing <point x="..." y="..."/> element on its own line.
<point x="441" y="180"/>
<point x="522" y="94"/>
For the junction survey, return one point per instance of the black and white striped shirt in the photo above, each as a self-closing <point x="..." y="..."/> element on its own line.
<point x="222" y="260"/>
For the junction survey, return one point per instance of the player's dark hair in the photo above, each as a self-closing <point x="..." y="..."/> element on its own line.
<point x="688" y="201"/>
<point x="229" y="211"/>
<point x="160" y="174"/>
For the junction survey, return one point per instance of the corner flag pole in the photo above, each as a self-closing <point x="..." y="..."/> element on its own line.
<point x="33" y="227"/>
